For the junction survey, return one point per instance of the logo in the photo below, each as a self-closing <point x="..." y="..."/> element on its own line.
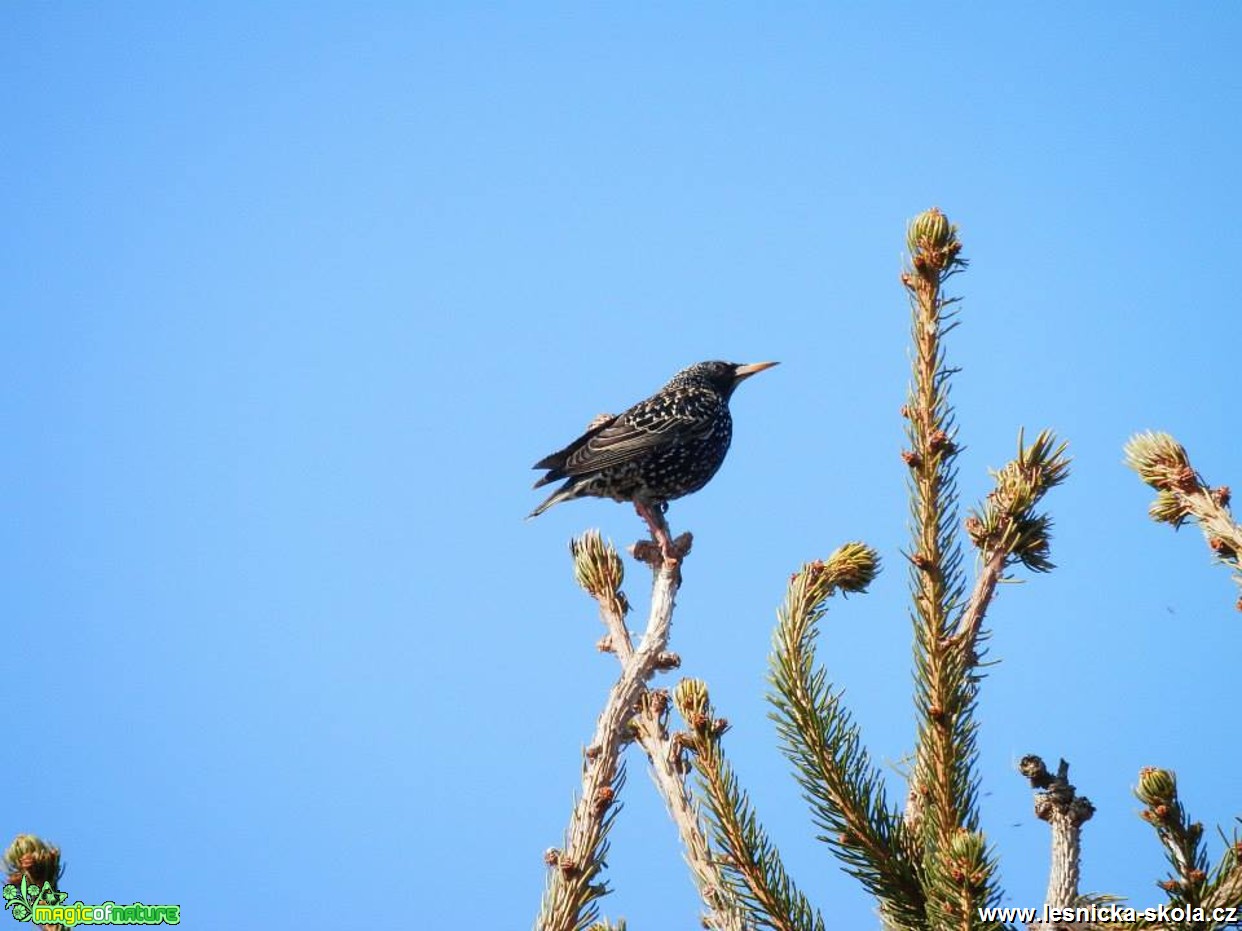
<point x="45" y="905"/>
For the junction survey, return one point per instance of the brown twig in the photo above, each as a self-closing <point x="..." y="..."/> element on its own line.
<point x="971" y="621"/>
<point x="1058" y="803"/>
<point x="669" y="771"/>
<point x="630" y="712"/>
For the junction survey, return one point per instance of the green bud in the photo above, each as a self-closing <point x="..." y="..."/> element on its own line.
<point x="597" y="566"/>
<point x="1159" y="460"/>
<point x="1156" y="786"/>
<point x="691" y="698"/>
<point x="853" y="566"/>
<point x="930" y="231"/>
<point x="967" y="859"/>
<point x="1168" y="509"/>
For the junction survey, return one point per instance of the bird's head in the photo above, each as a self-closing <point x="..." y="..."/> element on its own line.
<point x="720" y="376"/>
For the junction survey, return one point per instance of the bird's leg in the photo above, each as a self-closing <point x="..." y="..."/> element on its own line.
<point x="654" y="518"/>
<point x="671" y="552"/>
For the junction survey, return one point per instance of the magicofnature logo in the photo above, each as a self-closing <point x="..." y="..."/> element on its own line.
<point x="46" y="905"/>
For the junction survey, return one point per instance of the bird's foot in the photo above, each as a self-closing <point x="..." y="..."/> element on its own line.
<point x="656" y="555"/>
<point x="653" y="516"/>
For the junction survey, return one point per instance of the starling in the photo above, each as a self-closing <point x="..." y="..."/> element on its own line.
<point x="662" y="448"/>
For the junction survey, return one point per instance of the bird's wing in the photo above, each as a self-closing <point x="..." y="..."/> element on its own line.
<point x="556" y="460"/>
<point x="655" y="422"/>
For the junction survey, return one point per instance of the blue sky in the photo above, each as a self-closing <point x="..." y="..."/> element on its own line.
<point x="293" y="295"/>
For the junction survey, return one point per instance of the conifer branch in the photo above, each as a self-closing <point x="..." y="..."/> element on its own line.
<point x="570" y="898"/>
<point x="969" y="630"/>
<point x="844" y="789"/>
<point x="1181" y="493"/>
<point x="1191" y="883"/>
<point x="1181" y="838"/>
<point x="1223" y="889"/>
<point x="1059" y="803"/>
<point x="930" y="868"/>
<point x="943" y="788"/>
<point x="1007" y="530"/>
<point x="599" y="570"/>
<point x="959" y="883"/>
<point x="752" y="866"/>
<point x="669" y="770"/>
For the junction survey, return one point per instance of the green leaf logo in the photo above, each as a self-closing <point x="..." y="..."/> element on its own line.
<point x="21" y="899"/>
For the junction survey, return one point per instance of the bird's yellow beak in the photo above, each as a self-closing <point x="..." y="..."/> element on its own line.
<point x="745" y="371"/>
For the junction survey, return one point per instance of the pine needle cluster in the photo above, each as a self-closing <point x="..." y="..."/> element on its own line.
<point x="1182" y="494"/>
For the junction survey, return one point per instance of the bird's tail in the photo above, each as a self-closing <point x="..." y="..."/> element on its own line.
<point x="566" y="492"/>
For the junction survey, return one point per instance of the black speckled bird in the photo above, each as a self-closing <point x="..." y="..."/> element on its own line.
<point x="662" y="448"/>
